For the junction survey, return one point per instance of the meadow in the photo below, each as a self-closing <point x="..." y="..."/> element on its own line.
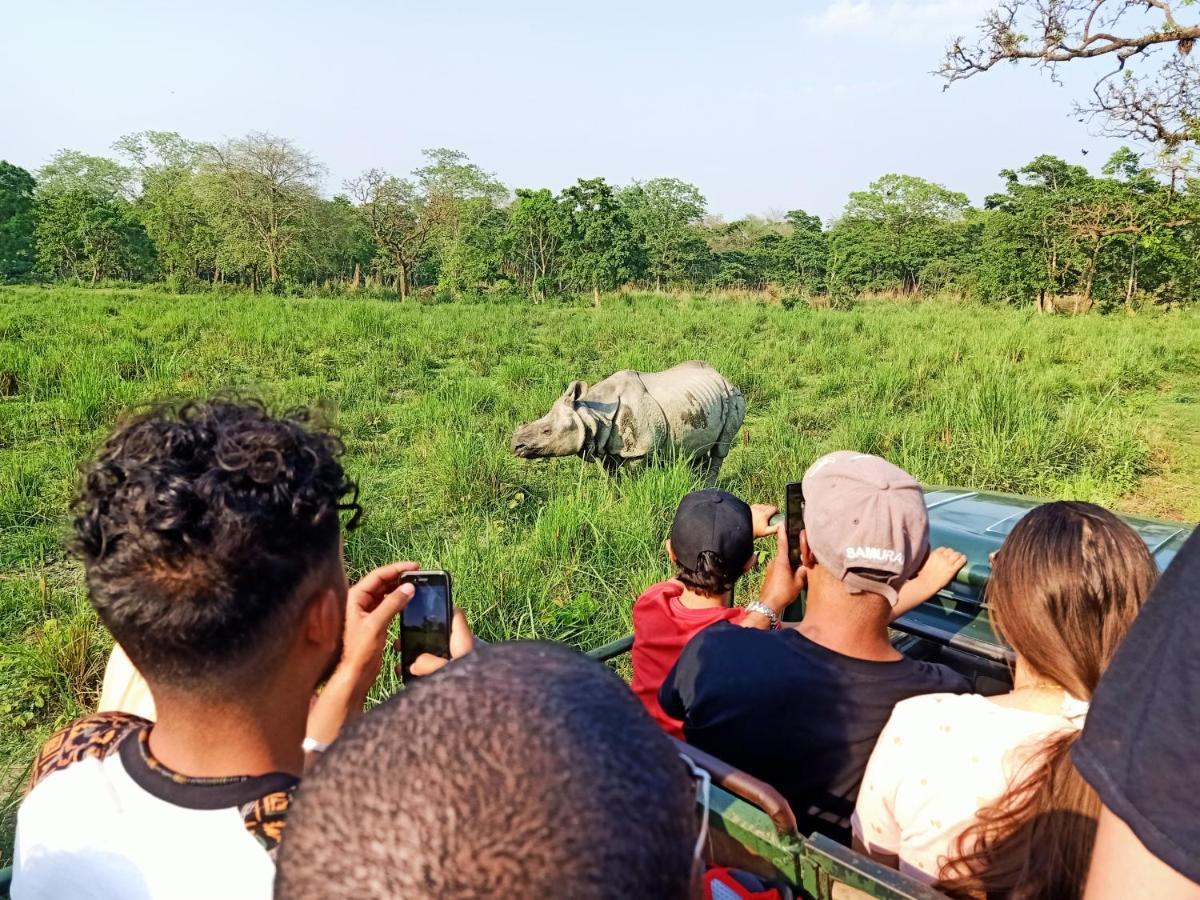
<point x="1105" y="408"/>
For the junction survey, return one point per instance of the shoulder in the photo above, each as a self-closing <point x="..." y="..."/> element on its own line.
<point x="715" y="645"/>
<point x="92" y="737"/>
<point x="939" y="678"/>
<point x="619" y="382"/>
<point x="265" y="817"/>
<point x="712" y="641"/>
<point x="657" y="594"/>
<point x="722" y="632"/>
<point x="925" y="708"/>
<point x="922" y="722"/>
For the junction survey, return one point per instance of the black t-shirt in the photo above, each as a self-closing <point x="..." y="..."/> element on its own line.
<point x="1140" y="749"/>
<point x="793" y="713"/>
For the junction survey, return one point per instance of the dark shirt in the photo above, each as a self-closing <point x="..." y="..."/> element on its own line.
<point x="1140" y="749"/>
<point x="793" y="713"/>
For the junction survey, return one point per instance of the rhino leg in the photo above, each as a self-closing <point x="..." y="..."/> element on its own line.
<point x="633" y="464"/>
<point x="735" y="412"/>
<point x="708" y="466"/>
<point x="621" y="465"/>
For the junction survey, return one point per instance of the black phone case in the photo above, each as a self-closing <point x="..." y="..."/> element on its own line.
<point x="793" y="521"/>
<point x="406" y="655"/>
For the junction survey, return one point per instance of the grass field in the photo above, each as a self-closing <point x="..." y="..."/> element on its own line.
<point x="1101" y="408"/>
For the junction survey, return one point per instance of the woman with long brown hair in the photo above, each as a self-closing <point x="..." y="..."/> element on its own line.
<point x="978" y="794"/>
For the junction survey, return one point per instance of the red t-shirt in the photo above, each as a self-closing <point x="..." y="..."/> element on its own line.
<point x="662" y="626"/>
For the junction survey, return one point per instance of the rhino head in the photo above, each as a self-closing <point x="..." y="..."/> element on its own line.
<point x="559" y="432"/>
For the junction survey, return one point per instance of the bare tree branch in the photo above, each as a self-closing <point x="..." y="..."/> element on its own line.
<point x="1161" y="103"/>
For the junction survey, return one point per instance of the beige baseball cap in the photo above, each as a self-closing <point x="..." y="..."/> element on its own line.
<point x="866" y="522"/>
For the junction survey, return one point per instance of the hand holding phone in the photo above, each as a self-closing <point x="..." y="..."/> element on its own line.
<point x="425" y="621"/>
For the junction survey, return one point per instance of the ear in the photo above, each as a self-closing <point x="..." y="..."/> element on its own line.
<point x="751" y="564"/>
<point x="806" y="555"/>
<point x="670" y="552"/>
<point x="574" y="392"/>
<point x="324" y="620"/>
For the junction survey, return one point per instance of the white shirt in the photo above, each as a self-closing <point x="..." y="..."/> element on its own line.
<point x="104" y="819"/>
<point x="939" y="760"/>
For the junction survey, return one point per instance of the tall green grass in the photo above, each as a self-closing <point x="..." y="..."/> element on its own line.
<point x="427" y="397"/>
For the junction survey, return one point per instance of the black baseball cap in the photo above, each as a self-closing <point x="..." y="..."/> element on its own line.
<point x="716" y="521"/>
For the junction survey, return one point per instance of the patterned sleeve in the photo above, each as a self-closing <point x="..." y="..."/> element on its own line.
<point x="874" y="820"/>
<point x="95" y="736"/>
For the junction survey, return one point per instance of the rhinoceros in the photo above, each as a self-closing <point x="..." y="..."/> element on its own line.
<point x="631" y="418"/>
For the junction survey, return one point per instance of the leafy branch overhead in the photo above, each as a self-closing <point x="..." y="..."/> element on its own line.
<point x="1150" y="87"/>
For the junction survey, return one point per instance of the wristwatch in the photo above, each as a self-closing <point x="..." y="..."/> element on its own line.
<point x="762" y="609"/>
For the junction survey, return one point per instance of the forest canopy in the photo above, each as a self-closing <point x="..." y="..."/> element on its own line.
<point x="252" y="213"/>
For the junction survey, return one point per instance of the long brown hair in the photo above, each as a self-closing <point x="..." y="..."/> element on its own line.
<point x="1065" y="587"/>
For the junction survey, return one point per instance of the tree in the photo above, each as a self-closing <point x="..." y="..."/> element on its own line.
<point x="338" y="246"/>
<point x="1142" y="225"/>
<point x="804" y="254"/>
<point x="263" y="191"/>
<point x="892" y="231"/>
<point x="1058" y="231"/>
<point x="394" y="213"/>
<point x="445" y="215"/>
<point x="17" y="244"/>
<point x="472" y="251"/>
<point x="1027" y="250"/>
<point x="1161" y="104"/>
<point x="538" y="227"/>
<point x="664" y="211"/>
<point x="745" y="252"/>
<point x="601" y="244"/>
<point x="85" y="222"/>
<point x="461" y="201"/>
<point x="170" y="205"/>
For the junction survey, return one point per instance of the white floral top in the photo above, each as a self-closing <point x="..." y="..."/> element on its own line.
<point x="940" y="759"/>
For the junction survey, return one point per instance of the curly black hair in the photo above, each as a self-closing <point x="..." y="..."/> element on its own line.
<point x="197" y="522"/>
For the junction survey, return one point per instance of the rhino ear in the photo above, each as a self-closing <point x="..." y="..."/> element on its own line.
<point x="574" y="392"/>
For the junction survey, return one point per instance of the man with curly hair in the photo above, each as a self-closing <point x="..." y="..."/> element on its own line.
<point x="210" y="535"/>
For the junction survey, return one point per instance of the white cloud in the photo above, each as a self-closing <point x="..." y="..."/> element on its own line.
<point x="906" y="20"/>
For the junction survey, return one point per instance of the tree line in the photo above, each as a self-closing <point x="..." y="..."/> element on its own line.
<point x="250" y="213"/>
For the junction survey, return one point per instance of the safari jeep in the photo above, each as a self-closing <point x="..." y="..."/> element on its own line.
<point x="751" y="826"/>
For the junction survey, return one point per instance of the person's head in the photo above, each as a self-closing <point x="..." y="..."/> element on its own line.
<point x="712" y="541"/>
<point x="522" y="769"/>
<point x="210" y="537"/>
<point x="1065" y="587"/>
<point x="866" y="529"/>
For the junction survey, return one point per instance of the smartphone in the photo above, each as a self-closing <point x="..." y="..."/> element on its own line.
<point x="794" y="521"/>
<point x="425" y="622"/>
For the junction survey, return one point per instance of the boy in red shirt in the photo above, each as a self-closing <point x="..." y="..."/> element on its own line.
<point x="711" y="546"/>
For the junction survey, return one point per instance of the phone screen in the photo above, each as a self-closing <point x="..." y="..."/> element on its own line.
<point x="425" y="622"/>
<point x="794" y="521"/>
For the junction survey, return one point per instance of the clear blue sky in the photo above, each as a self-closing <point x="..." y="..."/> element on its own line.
<point x="764" y="104"/>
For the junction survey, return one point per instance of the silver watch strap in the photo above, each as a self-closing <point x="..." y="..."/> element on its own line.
<point x="757" y="606"/>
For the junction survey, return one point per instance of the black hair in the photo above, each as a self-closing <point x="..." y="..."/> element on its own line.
<point x="197" y="523"/>
<point x="710" y="575"/>
<point x="523" y="769"/>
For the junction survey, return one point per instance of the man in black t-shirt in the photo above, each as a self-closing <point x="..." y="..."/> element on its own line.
<point x="801" y="708"/>
<point x="1141" y="746"/>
